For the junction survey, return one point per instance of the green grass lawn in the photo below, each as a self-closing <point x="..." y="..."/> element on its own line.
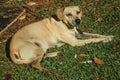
<point x="99" y="16"/>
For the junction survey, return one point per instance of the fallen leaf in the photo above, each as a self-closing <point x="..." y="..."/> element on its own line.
<point x="84" y="54"/>
<point x="61" y="63"/>
<point x="22" y="17"/>
<point x="3" y="41"/>
<point x="19" y="0"/>
<point x="99" y="20"/>
<point x="116" y="52"/>
<point x="89" y="61"/>
<point x="118" y="45"/>
<point x="58" y="76"/>
<point x="8" y="76"/>
<point x="5" y="16"/>
<point x="42" y="3"/>
<point x="98" y="61"/>
<point x="83" y="59"/>
<point x="31" y="3"/>
<point x="75" y="56"/>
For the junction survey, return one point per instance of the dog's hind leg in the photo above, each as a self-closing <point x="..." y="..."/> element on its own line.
<point x="35" y="64"/>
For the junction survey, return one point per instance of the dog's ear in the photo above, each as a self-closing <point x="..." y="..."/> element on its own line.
<point x="59" y="13"/>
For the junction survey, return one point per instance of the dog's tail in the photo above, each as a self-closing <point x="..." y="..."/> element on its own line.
<point x="15" y="57"/>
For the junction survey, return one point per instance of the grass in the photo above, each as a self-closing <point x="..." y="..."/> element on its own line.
<point x="101" y="17"/>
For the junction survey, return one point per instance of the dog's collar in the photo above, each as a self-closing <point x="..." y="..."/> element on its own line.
<point x="69" y="26"/>
<point x="55" y="17"/>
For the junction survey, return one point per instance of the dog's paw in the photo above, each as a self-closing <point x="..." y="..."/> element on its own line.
<point x="59" y="53"/>
<point x="46" y="72"/>
<point x="108" y="38"/>
<point x="53" y="54"/>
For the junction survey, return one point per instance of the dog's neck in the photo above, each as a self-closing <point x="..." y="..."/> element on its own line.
<point x="57" y="19"/>
<point x="68" y="25"/>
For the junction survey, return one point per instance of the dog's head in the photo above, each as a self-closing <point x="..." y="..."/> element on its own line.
<point x="70" y="15"/>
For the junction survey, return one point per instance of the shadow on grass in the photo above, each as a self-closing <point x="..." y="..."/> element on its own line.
<point x="7" y="48"/>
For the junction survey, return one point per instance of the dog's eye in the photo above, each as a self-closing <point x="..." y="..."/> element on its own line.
<point x="78" y="12"/>
<point x="69" y="14"/>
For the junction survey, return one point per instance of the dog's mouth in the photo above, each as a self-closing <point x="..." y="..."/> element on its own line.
<point x="74" y="23"/>
<point x="71" y="26"/>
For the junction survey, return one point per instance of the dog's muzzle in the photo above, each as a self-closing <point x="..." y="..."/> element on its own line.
<point x="77" y="21"/>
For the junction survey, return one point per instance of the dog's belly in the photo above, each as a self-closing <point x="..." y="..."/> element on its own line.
<point x="51" y="42"/>
<point x="45" y="42"/>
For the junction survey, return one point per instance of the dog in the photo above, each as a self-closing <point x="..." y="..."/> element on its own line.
<point x="29" y="44"/>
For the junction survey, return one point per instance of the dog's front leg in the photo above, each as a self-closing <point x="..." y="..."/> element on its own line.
<point x="85" y="35"/>
<point x="92" y="40"/>
<point x="76" y="42"/>
<point x="90" y="35"/>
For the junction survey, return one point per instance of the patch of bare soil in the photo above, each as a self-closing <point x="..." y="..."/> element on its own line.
<point x="7" y="15"/>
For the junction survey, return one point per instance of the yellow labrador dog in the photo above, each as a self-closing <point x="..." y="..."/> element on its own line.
<point x="29" y="44"/>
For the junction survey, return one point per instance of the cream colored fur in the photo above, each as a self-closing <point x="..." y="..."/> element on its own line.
<point x="29" y="44"/>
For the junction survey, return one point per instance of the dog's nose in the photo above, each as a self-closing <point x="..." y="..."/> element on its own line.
<point x="77" y="21"/>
